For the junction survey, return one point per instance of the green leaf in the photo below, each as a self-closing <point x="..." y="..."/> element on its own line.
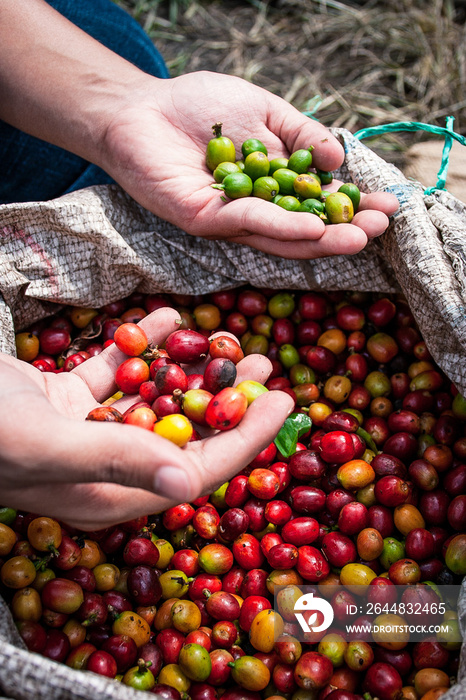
<point x="296" y="425"/>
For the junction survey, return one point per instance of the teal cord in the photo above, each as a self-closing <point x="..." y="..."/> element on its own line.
<point x="442" y="173"/>
<point x="312" y="107"/>
<point x="447" y="132"/>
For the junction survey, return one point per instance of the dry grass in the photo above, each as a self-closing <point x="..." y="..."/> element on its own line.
<point x="361" y="64"/>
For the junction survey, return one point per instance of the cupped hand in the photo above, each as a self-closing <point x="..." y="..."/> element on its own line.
<point x="92" y="475"/>
<point x="155" y="147"/>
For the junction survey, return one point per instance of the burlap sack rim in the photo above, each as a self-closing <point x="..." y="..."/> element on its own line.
<point x="373" y="175"/>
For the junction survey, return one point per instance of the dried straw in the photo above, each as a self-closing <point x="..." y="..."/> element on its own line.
<point x="369" y="64"/>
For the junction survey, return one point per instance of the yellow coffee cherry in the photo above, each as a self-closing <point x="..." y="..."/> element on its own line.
<point x="174" y="427"/>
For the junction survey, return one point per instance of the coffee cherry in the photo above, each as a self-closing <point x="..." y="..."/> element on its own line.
<point x="219" y="374"/>
<point x="194" y="404"/>
<point x="187" y="346"/>
<point x="176" y="428"/>
<point x="130" y="339"/>
<point x="171" y="378"/>
<point x="226" y="347"/>
<point x="27" y="346"/>
<point x="131" y="374"/>
<point x="226" y="409"/>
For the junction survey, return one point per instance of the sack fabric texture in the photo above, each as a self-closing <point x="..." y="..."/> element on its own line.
<point x="96" y="245"/>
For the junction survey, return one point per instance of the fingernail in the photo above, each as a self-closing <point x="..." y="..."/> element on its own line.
<point x="171" y="482"/>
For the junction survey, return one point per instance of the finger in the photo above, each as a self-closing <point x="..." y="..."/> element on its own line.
<point x="254" y="367"/>
<point x="136" y="458"/>
<point x="88" y="451"/>
<point x="99" y="372"/>
<point x="299" y="131"/>
<point x="18" y="369"/>
<point x="222" y="456"/>
<point x="338" y="239"/>
<point x="218" y="334"/>
<point x="372" y="222"/>
<point x="382" y="201"/>
<point x="254" y="216"/>
<point x="125" y="402"/>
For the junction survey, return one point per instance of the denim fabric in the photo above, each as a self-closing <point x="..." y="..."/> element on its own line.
<point x="33" y="170"/>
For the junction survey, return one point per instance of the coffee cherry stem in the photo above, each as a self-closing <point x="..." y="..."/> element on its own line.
<point x="178" y="395"/>
<point x="90" y="620"/>
<point x="143" y="665"/>
<point x="42" y="563"/>
<point x="151" y="353"/>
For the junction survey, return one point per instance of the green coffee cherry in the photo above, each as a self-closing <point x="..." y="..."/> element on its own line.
<point x="277" y="163"/>
<point x="237" y="185"/>
<point x="289" y="203"/>
<point x="301" y="160"/>
<point x="307" y="187"/>
<point x="256" y="165"/>
<point x="251" y="145"/>
<point x="285" y="178"/>
<point x="219" y="149"/>
<point x="224" y="169"/>
<point x="265" y="188"/>
<point x="353" y="193"/>
<point x="339" y="208"/>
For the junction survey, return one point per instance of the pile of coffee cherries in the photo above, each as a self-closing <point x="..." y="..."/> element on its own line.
<point x="291" y="182"/>
<point x="181" y="603"/>
<point x="172" y="400"/>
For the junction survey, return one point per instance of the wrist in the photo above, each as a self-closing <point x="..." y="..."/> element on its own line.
<point x="106" y="102"/>
<point x="116" y="113"/>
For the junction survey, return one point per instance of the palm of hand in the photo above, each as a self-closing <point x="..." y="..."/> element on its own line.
<point x="158" y="145"/>
<point x="92" y="474"/>
<point x="155" y="149"/>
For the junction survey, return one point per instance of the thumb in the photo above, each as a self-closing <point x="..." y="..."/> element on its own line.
<point x="85" y="452"/>
<point x="91" y="451"/>
<point x="130" y="456"/>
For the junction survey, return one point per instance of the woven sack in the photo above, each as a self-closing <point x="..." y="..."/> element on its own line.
<point x="97" y="245"/>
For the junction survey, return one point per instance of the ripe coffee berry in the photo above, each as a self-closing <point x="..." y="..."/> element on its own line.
<point x="130" y="339"/>
<point x="187" y="346"/>
<point x="131" y="374"/>
<point x="226" y="409"/>
<point x="394" y="512"/>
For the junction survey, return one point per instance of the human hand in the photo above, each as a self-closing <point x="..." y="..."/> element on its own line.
<point x="92" y="475"/>
<point x="151" y="134"/>
<point x="155" y="149"/>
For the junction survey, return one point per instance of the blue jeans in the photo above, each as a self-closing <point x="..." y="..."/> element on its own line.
<point x="33" y="170"/>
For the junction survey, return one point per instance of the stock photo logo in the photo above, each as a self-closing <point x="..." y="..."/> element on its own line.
<point x="306" y="609"/>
